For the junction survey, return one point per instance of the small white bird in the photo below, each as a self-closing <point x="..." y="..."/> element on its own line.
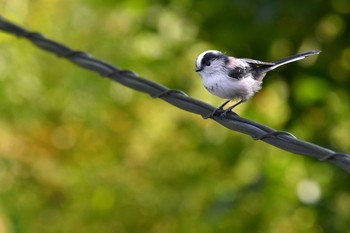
<point x="236" y="78"/>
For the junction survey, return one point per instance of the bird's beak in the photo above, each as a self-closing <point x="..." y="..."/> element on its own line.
<point x="198" y="69"/>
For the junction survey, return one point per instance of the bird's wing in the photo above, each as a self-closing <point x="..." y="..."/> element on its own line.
<point x="237" y="72"/>
<point x="241" y="67"/>
<point x="245" y="66"/>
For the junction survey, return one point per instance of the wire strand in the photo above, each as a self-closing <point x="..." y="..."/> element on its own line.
<point x="279" y="139"/>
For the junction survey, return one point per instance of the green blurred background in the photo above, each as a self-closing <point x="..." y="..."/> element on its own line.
<point x="83" y="154"/>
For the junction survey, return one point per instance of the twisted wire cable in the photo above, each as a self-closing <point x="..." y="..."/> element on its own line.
<point x="280" y="139"/>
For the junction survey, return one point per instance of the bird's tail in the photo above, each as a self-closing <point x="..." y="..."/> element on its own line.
<point x="293" y="58"/>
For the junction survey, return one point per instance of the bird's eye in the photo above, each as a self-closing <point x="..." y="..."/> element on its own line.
<point x="208" y="63"/>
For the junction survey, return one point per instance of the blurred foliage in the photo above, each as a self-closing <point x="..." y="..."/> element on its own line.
<point x="82" y="154"/>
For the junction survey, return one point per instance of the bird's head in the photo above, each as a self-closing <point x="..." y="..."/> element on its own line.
<point x="210" y="61"/>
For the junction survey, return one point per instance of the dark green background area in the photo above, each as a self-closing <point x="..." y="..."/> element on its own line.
<point x="83" y="154"/>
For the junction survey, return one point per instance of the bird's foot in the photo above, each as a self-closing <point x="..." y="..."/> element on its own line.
<point x="217" y="112"/>
<point x="220" y="112"/>
<point x="227" y="111"/>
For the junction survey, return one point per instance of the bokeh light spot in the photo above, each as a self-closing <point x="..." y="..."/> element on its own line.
<point x="309" y="191"/>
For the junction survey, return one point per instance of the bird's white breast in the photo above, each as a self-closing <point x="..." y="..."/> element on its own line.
<point x="226" y="87"/>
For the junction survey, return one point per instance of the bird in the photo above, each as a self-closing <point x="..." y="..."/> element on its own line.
<point x="234" y="78"/>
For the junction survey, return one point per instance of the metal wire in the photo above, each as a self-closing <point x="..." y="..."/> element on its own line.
<point x="282" y="140"/>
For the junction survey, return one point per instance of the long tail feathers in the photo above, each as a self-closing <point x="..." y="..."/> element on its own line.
<point x="293" y="58"/>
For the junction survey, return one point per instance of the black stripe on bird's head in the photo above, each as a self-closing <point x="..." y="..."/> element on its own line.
<point x="207" y="57"/>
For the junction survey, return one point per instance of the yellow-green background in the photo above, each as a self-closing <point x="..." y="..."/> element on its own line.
<point x="79" y="153"/>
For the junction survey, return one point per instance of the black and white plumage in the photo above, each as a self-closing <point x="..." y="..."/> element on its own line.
<point x="237" y="78"/>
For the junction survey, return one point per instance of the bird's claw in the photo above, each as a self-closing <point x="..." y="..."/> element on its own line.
<point x="220" y="112"/>
<point x="213" y="113"/>
<point x="225" y="112"/>
<point x="217" y="111"/>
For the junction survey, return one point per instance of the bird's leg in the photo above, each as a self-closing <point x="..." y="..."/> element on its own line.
<point x="231" y="107"/>
<point x="220" y="108"/>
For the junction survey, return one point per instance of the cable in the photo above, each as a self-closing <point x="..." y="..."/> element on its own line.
<point x="280" y="139"/>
